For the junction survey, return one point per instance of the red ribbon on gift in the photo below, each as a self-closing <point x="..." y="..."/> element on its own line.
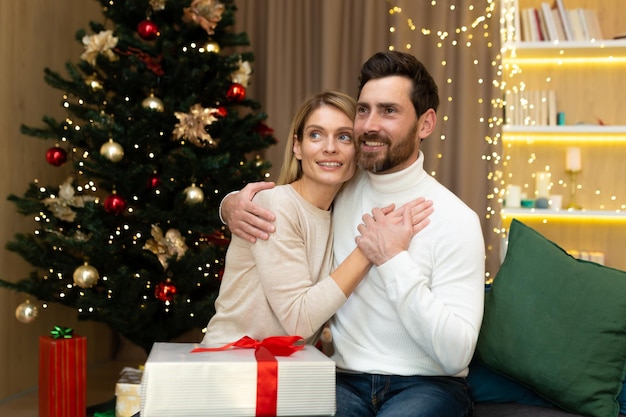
<point x="265" y="352"/>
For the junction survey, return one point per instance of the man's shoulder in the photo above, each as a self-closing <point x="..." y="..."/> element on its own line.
<point x="449" y="206"/>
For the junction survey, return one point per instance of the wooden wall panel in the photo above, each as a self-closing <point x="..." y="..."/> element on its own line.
<point x="33" y="34"/>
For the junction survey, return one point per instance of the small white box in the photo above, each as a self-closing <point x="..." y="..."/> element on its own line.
<point x="177" y="382"/>
<point x="128" y="392"/>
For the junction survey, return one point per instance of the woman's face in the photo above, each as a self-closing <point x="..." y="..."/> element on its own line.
<point x="327" y="150"/>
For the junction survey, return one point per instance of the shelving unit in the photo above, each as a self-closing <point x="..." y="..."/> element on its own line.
<point x="588" y="78"/>
<point x="571" y="51"/>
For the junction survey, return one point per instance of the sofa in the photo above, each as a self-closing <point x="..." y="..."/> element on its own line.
<point x="518" y="410"/>
<point x="553" y="337"/>
<point x="509" y="399"/>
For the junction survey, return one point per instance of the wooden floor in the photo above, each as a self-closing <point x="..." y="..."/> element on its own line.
<point x="101" y="380"/>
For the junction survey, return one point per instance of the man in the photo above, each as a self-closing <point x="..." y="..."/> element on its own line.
<point x="404" y="339"/>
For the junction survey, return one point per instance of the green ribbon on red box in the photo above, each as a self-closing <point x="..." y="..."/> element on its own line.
<point x="267" y="366"/>
<point x="59" y="332"/>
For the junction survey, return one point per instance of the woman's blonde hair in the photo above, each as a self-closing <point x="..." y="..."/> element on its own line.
<point x="291" y="169"/>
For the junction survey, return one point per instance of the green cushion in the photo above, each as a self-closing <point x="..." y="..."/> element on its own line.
<point x="557" y="325"/>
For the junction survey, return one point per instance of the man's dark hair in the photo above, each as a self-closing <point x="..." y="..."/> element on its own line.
<point x="425" y="94"/>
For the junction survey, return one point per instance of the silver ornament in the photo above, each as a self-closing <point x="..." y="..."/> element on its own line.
<point x="153" y="103"/>
<point x="86" y="276"/>
<point x="26" y="312"/>
<point x="112" y="150"/>
<point x="194" y="194"/>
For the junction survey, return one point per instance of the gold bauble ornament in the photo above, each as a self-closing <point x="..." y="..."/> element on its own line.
<point x="212" y="47"/>
<point x="112" y="150"/>
<point x="153" y="103"/>
<point x="86" y="276"/>
<point x="26" y="312"/>
<point x="194" y="194"/>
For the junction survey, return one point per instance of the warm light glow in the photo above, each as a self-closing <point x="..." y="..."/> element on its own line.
<point x="593" y="135"/>
<point x="583" y="60"/>
<point x="564" y="216"/>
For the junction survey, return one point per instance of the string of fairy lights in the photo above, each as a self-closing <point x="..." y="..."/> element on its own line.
<point x="476" y="32"/>
<point x="508" y="78"/>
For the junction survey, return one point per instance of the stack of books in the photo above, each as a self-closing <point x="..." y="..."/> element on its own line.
<point x="530" y="108"/>
<point x="555" y="23"/>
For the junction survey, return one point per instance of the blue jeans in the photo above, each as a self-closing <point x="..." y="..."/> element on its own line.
<point x="363" y="395"/>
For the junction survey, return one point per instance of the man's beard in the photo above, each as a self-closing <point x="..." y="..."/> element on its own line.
<point x="393" y="155"/>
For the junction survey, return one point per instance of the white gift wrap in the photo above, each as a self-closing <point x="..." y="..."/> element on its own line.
<point x="178" y="383"/>
<point x="128" y="393"/>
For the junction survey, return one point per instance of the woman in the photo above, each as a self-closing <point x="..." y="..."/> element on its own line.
<point x="283" y="285"/>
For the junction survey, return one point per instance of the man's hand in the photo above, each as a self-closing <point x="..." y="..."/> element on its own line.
<point x="387" y="232"/>
<point x="245" y="219"/>
<point x="420" y="210"/>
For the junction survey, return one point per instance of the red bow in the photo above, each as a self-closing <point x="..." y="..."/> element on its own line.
<point x="267" y="366"/>
<point x="277" y="345"/>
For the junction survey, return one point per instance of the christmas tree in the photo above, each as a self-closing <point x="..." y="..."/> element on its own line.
<point x="158" y="129"/>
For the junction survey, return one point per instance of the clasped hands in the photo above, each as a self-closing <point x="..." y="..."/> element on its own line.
<point x="384" y="233"/>
<point x="388" y="231"/>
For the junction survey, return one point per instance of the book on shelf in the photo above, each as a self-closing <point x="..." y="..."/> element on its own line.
<point x="550" y="23"/>
<point x="530" y="27"/>
<point x="582" y="16"/>
<point x="564" y="15"/>
<point x="578" y="25"/>
<point x="556" y="17"/>
<point x="552" y="113"/>
<point x="542" y="29"/>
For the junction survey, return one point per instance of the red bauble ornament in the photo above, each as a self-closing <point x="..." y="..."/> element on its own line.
<point x="56" y="156"/>
<point x="154" y="181"/>
<point x="236" y="92"/>
<point x="264" y="130"/>
<point x="220" y="111"/>
<point x="217" y="238"/>
<point x="114" y="204"/>
<point x="148" y="30"/>
<point x="165" y="291"/>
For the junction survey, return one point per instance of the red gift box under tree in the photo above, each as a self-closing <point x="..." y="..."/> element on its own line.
<point x="62" y="374"/>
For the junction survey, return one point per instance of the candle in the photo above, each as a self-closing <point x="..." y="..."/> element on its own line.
<point x="513" y="196"/>
<point x="542" y="184"/>
<point x="573" y="163"/>
<point x="556" y="202"/>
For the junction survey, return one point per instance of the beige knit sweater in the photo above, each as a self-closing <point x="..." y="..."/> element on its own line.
<point x="280" y="286"/>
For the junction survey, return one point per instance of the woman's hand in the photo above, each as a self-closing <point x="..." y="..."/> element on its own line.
<point x="387" y="232"/>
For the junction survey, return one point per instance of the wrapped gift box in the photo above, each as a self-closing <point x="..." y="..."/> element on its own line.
<point x="128" y="392"/>
<point x="177" y="382"/>
<point x="62" y="376"/>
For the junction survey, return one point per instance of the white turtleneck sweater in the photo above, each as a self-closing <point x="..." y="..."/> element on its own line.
<point x="420" y="312"/>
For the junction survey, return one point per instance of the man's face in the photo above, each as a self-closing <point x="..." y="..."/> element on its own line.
<point x="386" y="126"/>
